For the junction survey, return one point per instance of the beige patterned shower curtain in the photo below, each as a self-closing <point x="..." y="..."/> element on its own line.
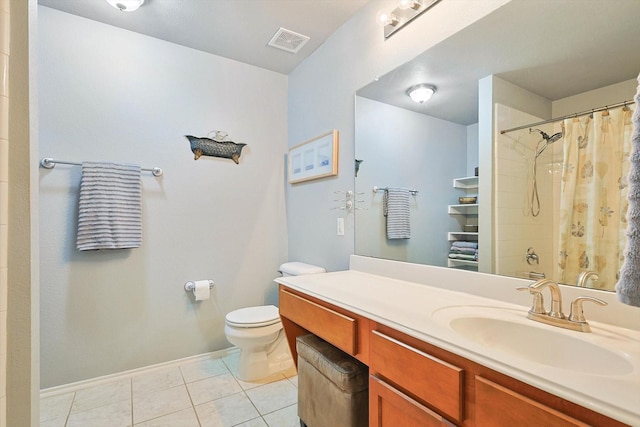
<point x="593" y="196"/>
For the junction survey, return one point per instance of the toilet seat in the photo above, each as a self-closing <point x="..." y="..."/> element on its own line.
<point x="253" y="317"/>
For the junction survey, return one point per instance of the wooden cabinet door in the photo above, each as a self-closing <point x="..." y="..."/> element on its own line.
<point x="389" y="407"/>
<point x="498" y="406"/>
<point x="434" y="381"/>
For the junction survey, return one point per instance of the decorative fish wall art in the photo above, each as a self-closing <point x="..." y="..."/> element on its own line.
<point x="358" y="165"/>
<point x="216" y="147"/>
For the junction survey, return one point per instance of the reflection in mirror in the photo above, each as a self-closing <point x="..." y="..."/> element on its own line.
<point x="551" y="193"/>
<point x="575" y="186"/>
<point x="405" y="149"/>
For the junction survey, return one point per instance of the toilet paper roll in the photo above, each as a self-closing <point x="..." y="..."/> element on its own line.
<point x="201" y="290"/>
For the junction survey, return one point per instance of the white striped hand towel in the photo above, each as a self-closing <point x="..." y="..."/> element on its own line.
<point x="395" y="204"/>
<point x="110" y="207"/>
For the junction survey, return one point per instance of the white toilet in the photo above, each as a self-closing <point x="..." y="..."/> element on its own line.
<point x="258" y="333"/>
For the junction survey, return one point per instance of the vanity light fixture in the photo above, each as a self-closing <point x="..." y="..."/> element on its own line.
<point x="405" y="12"/>
<point x="421" y="92"/>
<point x="413" y="4"/>
<point x="126" y="5"/>
<point x="387" y="19"/>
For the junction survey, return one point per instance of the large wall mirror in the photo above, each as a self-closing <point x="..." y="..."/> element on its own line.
<point x="484" y="177"/>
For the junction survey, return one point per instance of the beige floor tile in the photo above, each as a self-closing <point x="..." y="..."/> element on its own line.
<point x="113" y="415"/>
<point x="232" y="360"/>
<point x="55" y="406"/>
<point x="185" y="418"/>
<point x="285" y="417"/>
<point x="201" y="369"/>
<point x="294" y="380"/>
<point x="55" y="422"/>
<point x="160" y="403"/>
<point x="274" y="396"/>
<point x="256" y="422"/>
<point x="227" y="411"/>
<point x="162" y="399"/>
<point x="156" y="381"/>
<point x="101" y="395"/>
<point x="213" y="388"/>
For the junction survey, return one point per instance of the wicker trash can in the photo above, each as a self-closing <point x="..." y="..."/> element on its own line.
<point x="333" y="387"/>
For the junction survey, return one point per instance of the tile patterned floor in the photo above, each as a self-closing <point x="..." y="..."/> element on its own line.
<point x="203" y="393"/>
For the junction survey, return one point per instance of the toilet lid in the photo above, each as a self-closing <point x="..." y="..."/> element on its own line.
<point x="254" y="317"/>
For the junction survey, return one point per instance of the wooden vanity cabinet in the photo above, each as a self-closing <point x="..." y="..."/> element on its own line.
<point x="488" y="398"/>
<point x="500" y="406"/>
<point x="302" y="314"/>
<point x="431" y="380"/>
<point x="414" y="384"/>
<point x="389" y="407"/>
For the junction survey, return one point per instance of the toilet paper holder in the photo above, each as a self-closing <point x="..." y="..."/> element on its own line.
<point x="190" y="286"/>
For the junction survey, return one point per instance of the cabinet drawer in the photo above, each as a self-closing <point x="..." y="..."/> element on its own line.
<point x="499" y="406"/>
<point x="389" y="407"/>
<point x="333" y="327"/>
<point x="437" y="383"/>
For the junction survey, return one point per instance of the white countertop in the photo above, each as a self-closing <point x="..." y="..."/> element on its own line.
<point x="416" y="309"/>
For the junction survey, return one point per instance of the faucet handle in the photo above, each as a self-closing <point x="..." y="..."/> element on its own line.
<point x="577" y="314"/>
<point x="538" y="301"/>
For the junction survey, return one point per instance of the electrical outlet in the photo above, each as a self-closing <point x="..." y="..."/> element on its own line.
<point x="340" y="227"/>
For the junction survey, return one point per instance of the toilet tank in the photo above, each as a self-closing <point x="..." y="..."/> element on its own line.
<point x="299" y="268"/>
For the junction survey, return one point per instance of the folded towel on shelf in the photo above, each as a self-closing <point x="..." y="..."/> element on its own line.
<point x="110" y="207"/>
<point x="466" y="257"/>
<point x="628" y="287"/>
<point x="395" y="205"/>
<point x="469" y="251"/>
<point x="465" y="244"/>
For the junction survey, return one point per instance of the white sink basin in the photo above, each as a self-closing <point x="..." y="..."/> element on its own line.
<point x="510" y="332"/>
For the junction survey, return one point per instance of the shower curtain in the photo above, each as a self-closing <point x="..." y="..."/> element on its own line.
<point x="593" y="196"/>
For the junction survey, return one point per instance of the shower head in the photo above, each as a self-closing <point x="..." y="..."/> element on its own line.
<point x="553" y="138"/>
<point x="550" y="139"/>
<point x="544" y="134"/>
<point x="547" y="139"/>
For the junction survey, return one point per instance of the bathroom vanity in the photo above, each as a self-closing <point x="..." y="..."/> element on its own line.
<point x="438" y="357"/>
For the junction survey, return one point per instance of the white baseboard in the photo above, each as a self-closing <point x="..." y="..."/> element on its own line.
<point x="71" y="387"/>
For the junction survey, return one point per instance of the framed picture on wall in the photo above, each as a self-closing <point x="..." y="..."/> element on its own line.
<point x="313" y="159"/>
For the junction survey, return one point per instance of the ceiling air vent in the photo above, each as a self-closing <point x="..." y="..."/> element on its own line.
<point x="288" y="40"/>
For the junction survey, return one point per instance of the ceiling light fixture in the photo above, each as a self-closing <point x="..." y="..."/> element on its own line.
<point x="421" y="93"/>
<point x="405" y="12"/>
<point x="126" y="5"/>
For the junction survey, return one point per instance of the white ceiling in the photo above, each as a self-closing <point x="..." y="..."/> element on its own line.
<point x="235" y="29"/>
<point x="554" y="48"/>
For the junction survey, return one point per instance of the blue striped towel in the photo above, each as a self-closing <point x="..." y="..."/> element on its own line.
<point x="110" y="207"/>
<point x="395" y="205"/>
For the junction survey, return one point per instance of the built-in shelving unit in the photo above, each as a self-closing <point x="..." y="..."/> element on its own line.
<point x="461" y="262"/>
<point x="470" y="186"/>
<point x="462" y="235"/>
<point x="466" y="209"/>
<point x="467" y="183"/>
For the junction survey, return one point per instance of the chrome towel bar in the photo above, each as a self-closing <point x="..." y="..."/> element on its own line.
<point x="49" y="163"/>
<point x="378" y="189"/>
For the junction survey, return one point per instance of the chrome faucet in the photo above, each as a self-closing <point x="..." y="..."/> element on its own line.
<point x="555" y="316"/>
<point x="584" y="276"/>
<point x="556" y="296"/>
